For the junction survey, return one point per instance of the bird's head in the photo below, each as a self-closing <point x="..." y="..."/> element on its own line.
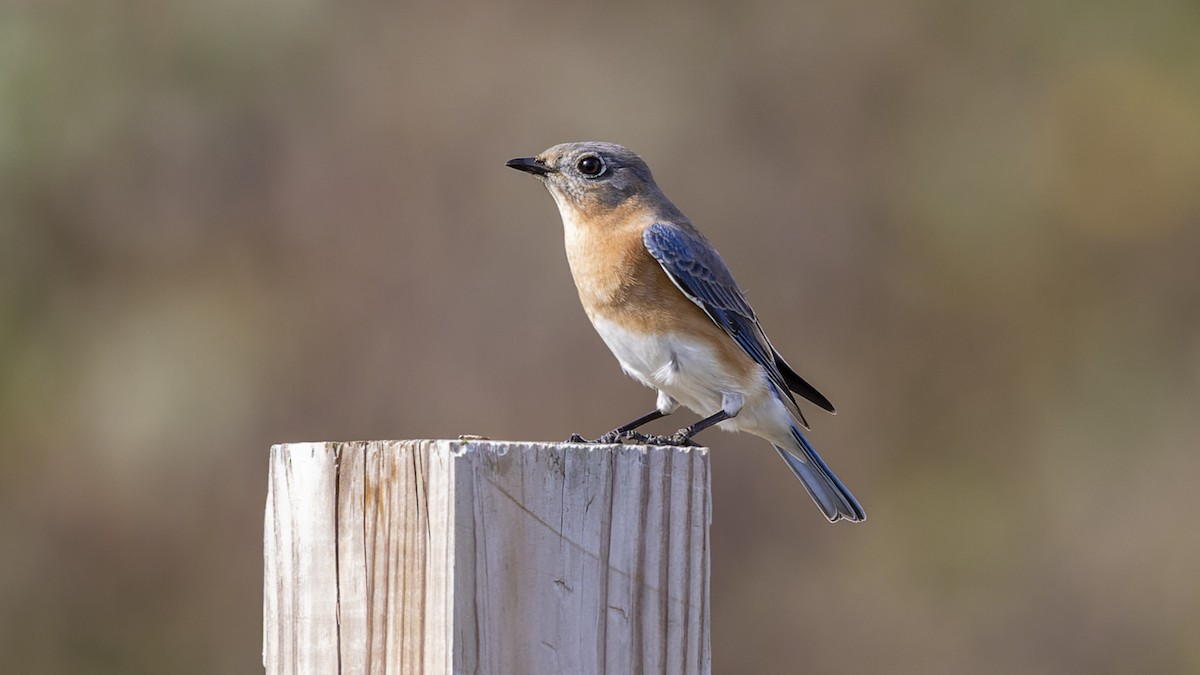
<point x="590" y="177"/>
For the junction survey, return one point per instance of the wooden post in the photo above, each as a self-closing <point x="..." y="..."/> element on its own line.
<point x="486" y="557"/>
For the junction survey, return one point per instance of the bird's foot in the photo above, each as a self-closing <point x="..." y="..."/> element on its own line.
<point x="685" y="440"/>
<point x="611" y="437"/>
<point x="632" y="437"/>
<point x="678" y="439"/>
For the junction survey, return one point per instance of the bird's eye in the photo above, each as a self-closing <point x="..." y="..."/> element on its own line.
<point x="590" y="166"/>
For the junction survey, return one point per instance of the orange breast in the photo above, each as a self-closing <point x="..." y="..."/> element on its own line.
<point x="618" y="280"/>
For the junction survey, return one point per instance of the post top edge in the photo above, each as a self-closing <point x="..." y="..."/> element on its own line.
<point x="466" y="444"/>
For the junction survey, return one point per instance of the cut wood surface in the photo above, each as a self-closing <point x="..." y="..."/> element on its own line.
<point x="486" y="557"/>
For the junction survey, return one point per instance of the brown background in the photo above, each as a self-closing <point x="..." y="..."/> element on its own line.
<point x="225" y="224"/>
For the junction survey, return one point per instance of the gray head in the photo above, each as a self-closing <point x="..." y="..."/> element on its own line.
<point x="590" y="177"/>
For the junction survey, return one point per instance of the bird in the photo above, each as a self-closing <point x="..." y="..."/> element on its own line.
<point x="667" y="306"/>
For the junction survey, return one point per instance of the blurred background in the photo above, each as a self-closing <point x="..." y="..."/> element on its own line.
<point x="975" y="226"/>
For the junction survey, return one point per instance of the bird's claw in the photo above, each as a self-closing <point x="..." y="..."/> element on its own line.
<point x="674" y="440"/>
<point x="678" y="439"/>
<point x="614" y="436"/>
<point x="634" y="437"/>
<point x="683" y="440"/>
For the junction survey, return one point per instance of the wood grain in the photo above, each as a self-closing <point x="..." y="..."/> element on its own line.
<point x="486" y="557"/>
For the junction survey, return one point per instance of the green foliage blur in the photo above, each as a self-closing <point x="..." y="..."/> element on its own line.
<point x="975" y="226"/>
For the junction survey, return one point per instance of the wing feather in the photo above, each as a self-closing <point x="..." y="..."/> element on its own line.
<point x="696" y="268"/>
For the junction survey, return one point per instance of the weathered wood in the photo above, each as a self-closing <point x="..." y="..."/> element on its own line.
<point x="486" y="557"/>
<point x="300" y="556"/>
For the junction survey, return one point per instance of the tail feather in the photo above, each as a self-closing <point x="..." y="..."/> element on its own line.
<point x="825" y="489"/>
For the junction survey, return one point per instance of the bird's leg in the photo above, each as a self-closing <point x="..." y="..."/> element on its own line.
<point x="731" y="405"/>
<point x="684" y="435"/>
<point x="666" y="406"/>
<point x="621" y="432"/>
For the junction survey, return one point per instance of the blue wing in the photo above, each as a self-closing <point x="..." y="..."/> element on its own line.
<point x="697" y="269"/>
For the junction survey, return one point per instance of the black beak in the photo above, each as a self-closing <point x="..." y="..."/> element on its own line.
<point x="529" y="165"/>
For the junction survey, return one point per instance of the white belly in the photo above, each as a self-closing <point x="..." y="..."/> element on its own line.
<point x="684" y="369"/>
<point x="689" y="371"/>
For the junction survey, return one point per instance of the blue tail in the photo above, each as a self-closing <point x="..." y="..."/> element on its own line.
<point x="825" y="489"/>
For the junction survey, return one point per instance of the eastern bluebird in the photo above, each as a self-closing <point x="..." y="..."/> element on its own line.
<point x="664" y="302"/>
